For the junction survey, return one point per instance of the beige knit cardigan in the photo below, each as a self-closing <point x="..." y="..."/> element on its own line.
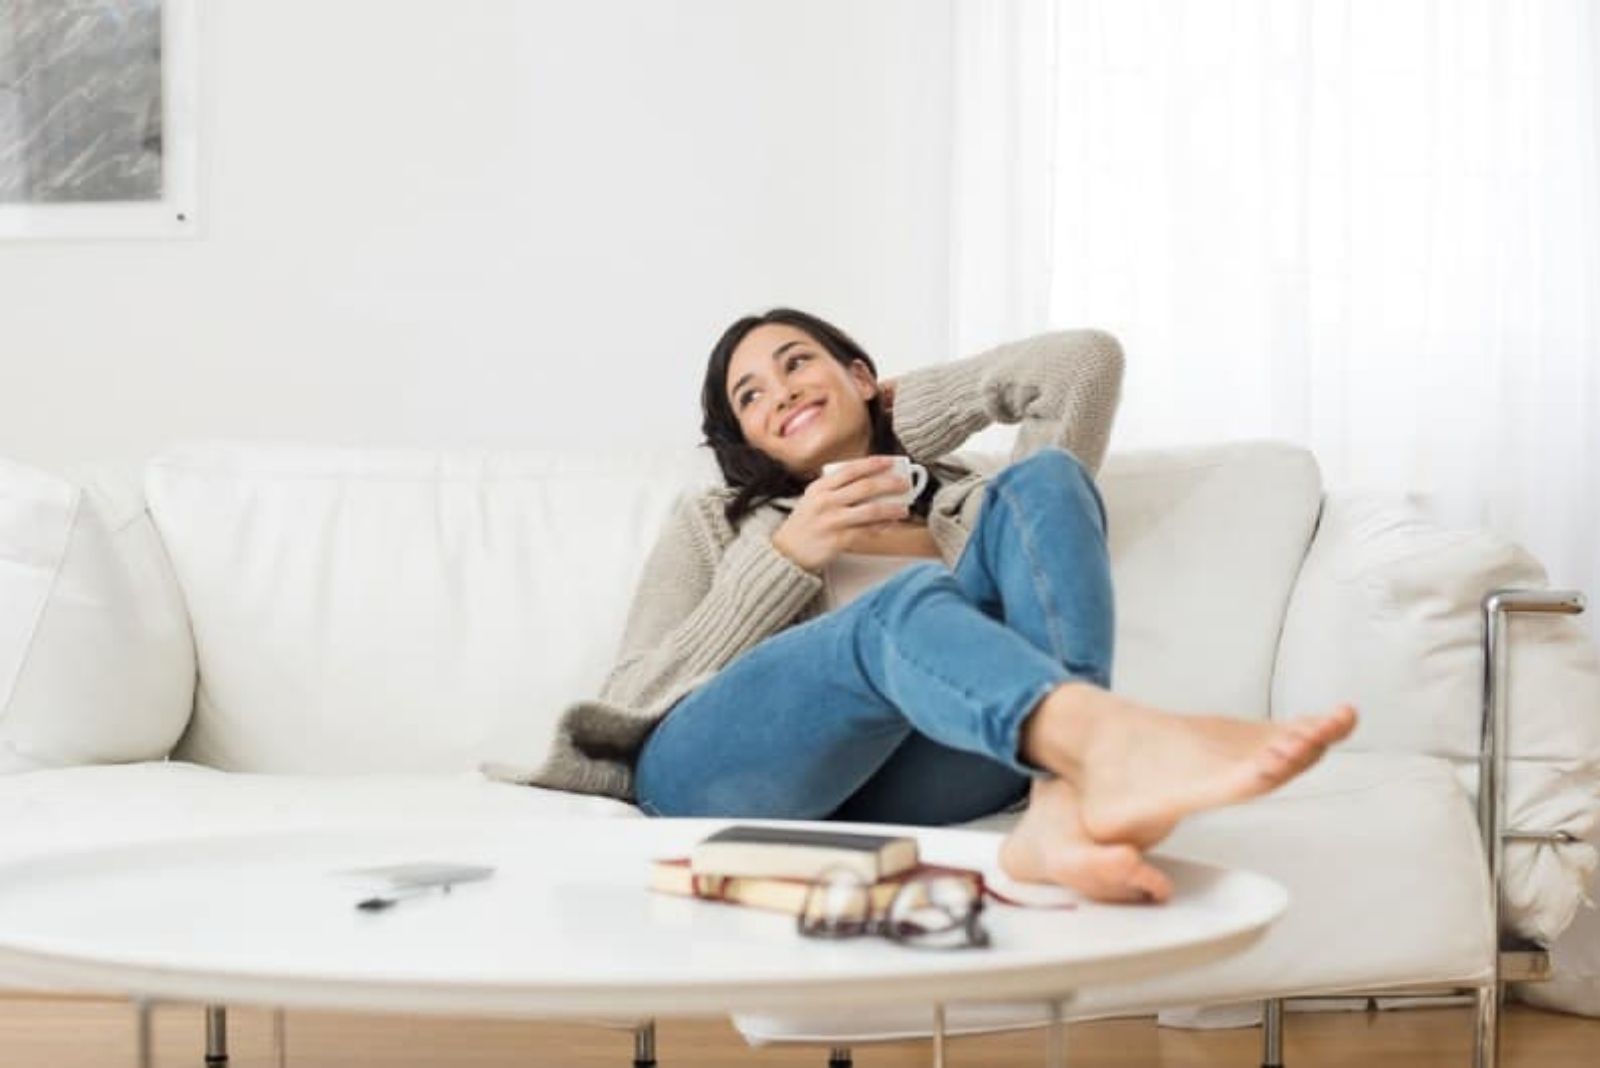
<point x="709" y="592"/>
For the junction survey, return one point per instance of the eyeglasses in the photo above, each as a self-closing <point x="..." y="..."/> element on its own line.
<point x="937" y="910"/>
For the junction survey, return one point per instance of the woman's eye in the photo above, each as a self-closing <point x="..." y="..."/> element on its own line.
<point x="744" y="398"/>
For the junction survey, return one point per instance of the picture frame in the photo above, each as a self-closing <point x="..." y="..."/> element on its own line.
<point x="49" y="197"/>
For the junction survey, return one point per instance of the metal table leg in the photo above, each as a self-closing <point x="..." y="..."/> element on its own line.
<point x="280" y="1039"/>
<point x="644" y="1045"/>
<point x="1056" y="1040"/>
<point x="1272" y="1033"/>
<point x="142" y="1041"/>
<point x="216" y="1036"/>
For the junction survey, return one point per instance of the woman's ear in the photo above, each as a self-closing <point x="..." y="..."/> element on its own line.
<point x="866" y="384"/>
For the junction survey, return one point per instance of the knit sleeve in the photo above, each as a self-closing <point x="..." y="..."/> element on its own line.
<point x="698" y="605"/>
<point x="1063" y="387"/>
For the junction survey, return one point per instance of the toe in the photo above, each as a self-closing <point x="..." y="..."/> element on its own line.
<point x="1312" y="730"/>
<point x="1154" y="883"/>
<point x="1335" y="725"/>
<point x="1296" y="748"/>
<point x="1135" y="878"/>
<point x="1115" y="874"/>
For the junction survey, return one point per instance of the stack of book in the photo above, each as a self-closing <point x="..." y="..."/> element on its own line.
<point x="775" y="867"/>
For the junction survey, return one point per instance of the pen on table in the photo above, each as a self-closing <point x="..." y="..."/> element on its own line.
<point x="383" y="901"/>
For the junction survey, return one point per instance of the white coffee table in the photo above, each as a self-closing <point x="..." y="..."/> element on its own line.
<point x="565" y="928"/>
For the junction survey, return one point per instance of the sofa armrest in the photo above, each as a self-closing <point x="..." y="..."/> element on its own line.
<point x="1388" y="612"/>
<point x="1493" y="747"/>
<point x="97" y="662"/>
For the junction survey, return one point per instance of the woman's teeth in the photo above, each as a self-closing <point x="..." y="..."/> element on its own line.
<point x="804" y="419"/>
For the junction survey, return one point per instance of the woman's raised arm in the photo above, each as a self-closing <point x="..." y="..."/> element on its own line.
<point x="1063" y="387"/>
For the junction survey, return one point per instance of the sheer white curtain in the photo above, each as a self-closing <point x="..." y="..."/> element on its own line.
<point x="1368" y="226"/>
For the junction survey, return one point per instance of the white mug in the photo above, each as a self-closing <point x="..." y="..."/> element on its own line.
<point x="902" y="467"/>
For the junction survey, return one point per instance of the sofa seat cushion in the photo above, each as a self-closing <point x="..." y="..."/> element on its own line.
<point x="72" y="808"/>
<point x="1381" y="857"/>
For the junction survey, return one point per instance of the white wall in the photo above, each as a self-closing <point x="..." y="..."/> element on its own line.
<point x="500" y="223"/>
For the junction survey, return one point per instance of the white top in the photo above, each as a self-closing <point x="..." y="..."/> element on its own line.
<point x="849" y="575"/>
<point x="565" y="927"/>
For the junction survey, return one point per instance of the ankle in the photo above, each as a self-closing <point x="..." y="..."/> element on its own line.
<point x="1057" y="733"/>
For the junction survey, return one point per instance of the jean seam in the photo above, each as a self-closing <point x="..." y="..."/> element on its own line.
<point x="1051" y="615"/>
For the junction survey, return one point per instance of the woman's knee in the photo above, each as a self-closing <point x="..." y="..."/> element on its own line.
<point x="1052" y="470"/>
<point x="1051" y="463"/>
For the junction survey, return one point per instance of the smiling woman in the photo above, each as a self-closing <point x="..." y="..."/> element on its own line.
<point x="765" y="374"/>
<point x="955" y="687"/>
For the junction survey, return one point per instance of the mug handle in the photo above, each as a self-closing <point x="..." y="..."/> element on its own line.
<point x="919" y="479"/>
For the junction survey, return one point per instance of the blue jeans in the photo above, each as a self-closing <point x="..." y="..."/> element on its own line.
<point x="906" y="705"/>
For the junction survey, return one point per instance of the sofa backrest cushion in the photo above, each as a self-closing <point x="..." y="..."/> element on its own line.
<point x="402" y="610"/>
<point x="1206" y="542"/>
<point x="96" y="661"/>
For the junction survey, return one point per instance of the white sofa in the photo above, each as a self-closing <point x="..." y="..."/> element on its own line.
<point x="237" y="636"/>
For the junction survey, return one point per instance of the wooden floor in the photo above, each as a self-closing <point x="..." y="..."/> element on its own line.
<point x="44" y="1032"/>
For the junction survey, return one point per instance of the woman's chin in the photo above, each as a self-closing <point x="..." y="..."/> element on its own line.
<point x="807" y="458"/>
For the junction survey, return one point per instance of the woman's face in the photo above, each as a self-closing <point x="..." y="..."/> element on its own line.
<point x="796" y="403"/>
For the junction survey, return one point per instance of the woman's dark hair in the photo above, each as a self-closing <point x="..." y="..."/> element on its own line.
<point x="757" y="477"/>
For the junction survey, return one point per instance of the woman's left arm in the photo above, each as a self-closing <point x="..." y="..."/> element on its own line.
<point x="1063" y="387"/>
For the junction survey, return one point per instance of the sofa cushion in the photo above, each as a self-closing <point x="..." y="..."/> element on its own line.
<point x="401" y="610"/>
<point x="1367" y="907"/>
<point x="405" y="610"/>
<point x="96" y="660"/>
<point x="1387" y="614"/>
<point x="1205" y="545"/>
<point x="83" y="807"/>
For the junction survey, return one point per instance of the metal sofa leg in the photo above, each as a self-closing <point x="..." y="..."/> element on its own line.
<point x="839" y="1057"/>
<point x="1498" y="607"/>
<point x="1486" y="1028"/>
<point x="216" y="1036"/>
<point x="644" y="1045"/>
<point x="1272" y="1033"/>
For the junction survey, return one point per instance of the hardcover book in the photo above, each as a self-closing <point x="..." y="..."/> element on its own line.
<point x="801" y="853"/>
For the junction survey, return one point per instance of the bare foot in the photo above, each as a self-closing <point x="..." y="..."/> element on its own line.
<point x="1050" y="845"/>
<point x="1138" y="770"/>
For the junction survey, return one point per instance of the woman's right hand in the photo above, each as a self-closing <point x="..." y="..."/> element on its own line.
<point x="837" y="509"/>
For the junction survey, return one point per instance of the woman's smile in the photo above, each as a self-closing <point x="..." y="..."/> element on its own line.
<point x="803" y="418"/>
